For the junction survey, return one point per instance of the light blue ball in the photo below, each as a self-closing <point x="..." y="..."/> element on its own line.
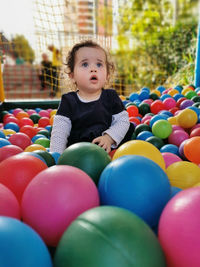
<point x="170" y="148"/>
<point x="12" y="125"/>
<point x="21" y="246"/>
<point x="135" y="183"/>
<point x="55" y="155"/>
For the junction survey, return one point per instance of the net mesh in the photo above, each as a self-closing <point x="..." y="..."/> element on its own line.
<point x="40" y="72"/>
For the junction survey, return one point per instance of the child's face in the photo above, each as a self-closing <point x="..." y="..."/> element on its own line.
<point x="90" y="71"/>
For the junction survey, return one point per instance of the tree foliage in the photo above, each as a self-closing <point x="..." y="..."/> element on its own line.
<point x="151" y="48"/>
<point x="22" y="49"/>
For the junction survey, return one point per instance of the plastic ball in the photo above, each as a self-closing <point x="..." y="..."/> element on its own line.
<point x="157" y="106"/>
<point x="8" y="132"/>
<point x="17" y="171"/>
<point x="141" y="148"/>
<point x="144" y="135"/>
<point x="86" y="156"/>
<point x="132" y="111"/>
<point x="175" y="190"/>
<point x="34" y="147"/>
<point x="142" y="180"/>
<point x="54" y="198"/>
<point x="55" y="155"/>
<point x="169" y="103"/>
<point x="45" y="142"/>
<point x="186" y="103"/>
<point x="144" y="108"/>
<point x="35" y="117"/>
<point x="142" y="127"/>
<point x="20" y="139"/>
<point x="21" y="245"/>
<point x="43" y="113"/>
<point x="9" y="205"/>
<point x="48" y="158"/>
<point x="170" y="148"/>
<point x="183" y="174"/>
<point x="177" y="137"/>
<point x="170" y="158"/>
<point x="100" y="229"/>
<point x="8" y="151"/>
<point x="4" y="142"/>
<point x="12" y="126"/>
<point x="25" y="121"/>
<point x="192" y="148"/>
<point x="43" y="121"/>
<point x="156" y="141"/>
<point x="157" y="118"/>
<point x="179" y="229"/>
<point x="21" y="114"/>
<point x="10" y="119"/>
<point x="162" y="129"/>
<point x="28" y="130"/>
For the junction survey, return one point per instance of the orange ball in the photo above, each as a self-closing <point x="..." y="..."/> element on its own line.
<point x="191" y="149"/>
<point x="51" y="120"/>
<point x="22" y="114"/>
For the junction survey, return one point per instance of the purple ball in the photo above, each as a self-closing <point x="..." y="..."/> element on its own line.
<point x="186" y="103"/>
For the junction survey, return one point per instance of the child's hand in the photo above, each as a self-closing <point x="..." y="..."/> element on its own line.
<point x="104" y="141"/>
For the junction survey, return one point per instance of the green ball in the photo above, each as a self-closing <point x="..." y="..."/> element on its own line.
<point x="190" y="94"/>
<point x="142" y="127"/>
<point x="153" y="96"/>
<point x="144" y="108"/>
<point x="43" y="142"/>
<point x="49" y="159"/>
<point x="35" y="117"/>
<point x="162" y="129"/>
<point x="108" y="236"/>
<point x="86" y="156"/>
<point x="156" y="141"/>
<point x="196" y="98"/>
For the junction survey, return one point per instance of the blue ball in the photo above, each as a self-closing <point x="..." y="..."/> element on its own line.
<point x="135" y="183"/>
<point x="37" y="136"/>
<point x="170" y="148"/>
<point x="161" y="88"/>
<point x="156" y="118"/>
<point x="21" y="246"/>
<point x="177" y="96"/>
<point x="4" y="142"/>
<point x="143" y="95"/>
<point x="12" y="125"/>
<point x="175" y="190"/>
<point x="144" y="135"/>
<point x="2" y="135"/>
<point x="165" y="96"/>
<point x="133" y="96"/>
<point x="55" y="155"/>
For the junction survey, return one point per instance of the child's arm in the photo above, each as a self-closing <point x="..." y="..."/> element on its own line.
<point x="60" y="133"/>
<point x="114" y="135"/>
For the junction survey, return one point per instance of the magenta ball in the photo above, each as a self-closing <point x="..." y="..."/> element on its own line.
<point x="9" y="205"/>
<point x="179" y="230"/>
<point x="44" y="113"/>
<point x="54" y="198"/>
<point x="170" y="158"/>
<point x="177" y="137"/>
<point x="169" y="103"/>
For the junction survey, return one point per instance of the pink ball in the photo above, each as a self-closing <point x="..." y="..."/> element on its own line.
<point x="169" y="103"/>
<point x="170" y="158"/>
<point x="54" y="198"/>
<point x="177" y="137"/>
<point x="8" y="151"/>
<point x="179" y="230"/>
<point x="44" y="113"/>
<point x="16" y="111"/>
<point x="177" y="127"/>
<point x="31" y="111"/>
<point x="9" y="205"/>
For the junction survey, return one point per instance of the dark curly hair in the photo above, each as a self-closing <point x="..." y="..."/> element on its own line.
<point x="70" y="60"/>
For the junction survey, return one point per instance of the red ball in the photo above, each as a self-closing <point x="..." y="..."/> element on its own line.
<point x="132" y="111"/>
<point x="17" y="171"/>
<point x="8" y="151"/>
<point x="10" y="119"/>
<point x="157" y="106"/>
<point x="20" y="139"/>
<point x="180" y="100"/>
<point x="25" y="121"/>
<point x="43" y="122"/>
<point x="28" y="130"/>
<point x="135" y="120"/>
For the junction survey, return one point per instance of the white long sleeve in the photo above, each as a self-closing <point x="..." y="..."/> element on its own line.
<point x="119" y="127"/>
<point x="60" y="133"/>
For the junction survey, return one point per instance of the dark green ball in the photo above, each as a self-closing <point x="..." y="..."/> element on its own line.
<point x="196" y="98"/>
<point x="86" y="156"/>
<point x="49" y="159"/>
<point x="142" y="127"/>
<point x="109" y="236"/>
<point x="153" y="96"/>
<point x="35" y="117"/>
<point x="44" y="132"/>
<point x="156" y="141"/>
<point x="144" y="108"/>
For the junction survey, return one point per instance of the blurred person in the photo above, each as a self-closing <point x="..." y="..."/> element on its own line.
<point x="46" y="72"/>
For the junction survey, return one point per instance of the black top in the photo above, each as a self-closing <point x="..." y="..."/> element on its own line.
<point x="89" y="120"/>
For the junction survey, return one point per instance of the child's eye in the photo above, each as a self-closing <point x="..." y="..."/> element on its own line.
<point x="99" y="65"/>
<point x="85" y="64"/>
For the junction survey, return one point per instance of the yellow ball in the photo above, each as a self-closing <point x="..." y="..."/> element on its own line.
<point x="8" y="131"/>
<point x="183" y="174"/>
<point x="186" y="90"/>
<point x="157" y="92"/>
<point x="172" y="120"/>
<point x="34" y="147"/>
<point x="53" y="112"/>
<point x="187" y="118"/>
<point x="141" y="148"/>
<point x="172" y="92"/>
